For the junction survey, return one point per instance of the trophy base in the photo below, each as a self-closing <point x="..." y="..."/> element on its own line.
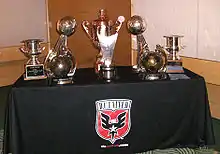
<point x="154" y="76"/>
<point x="107" y="73"/>
<point x="34" y="72"/>
<point x="63" y="81"/>
<point x="174" y="66"/>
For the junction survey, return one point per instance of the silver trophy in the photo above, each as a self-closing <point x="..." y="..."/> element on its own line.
<point x="107" y="45"/>
<point x="172" y="47"/>
<point x="60" y="62"/>
<point x="101" y="26"/>
<point x="34" y="69"/>
<point x="150" y="64"/>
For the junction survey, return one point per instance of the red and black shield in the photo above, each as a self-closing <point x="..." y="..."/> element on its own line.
<point x="113" y="120"/>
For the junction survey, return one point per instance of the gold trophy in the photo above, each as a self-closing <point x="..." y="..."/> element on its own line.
<point x="34" y="69"/>
<point x="151" y="65"/>
<point x="172" y="47"/>
<point x="102" y="27"/>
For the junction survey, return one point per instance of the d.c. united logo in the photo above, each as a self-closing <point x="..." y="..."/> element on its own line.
<point x="113" y="120"/>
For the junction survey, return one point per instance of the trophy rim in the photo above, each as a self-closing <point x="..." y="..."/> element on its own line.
<point x="173" y="36"/>
<point x="32" y="40"/>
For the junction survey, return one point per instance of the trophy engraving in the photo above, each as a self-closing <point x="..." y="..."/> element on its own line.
<point x="60" y="62"/>
<point x="34" y="70"/>
<point x="104" y="27"/>
<point x="150" y="64"/>
<point x="172" y="46"/>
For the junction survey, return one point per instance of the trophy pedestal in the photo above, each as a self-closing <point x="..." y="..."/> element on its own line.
<point x="174" y="66"/>
<point x="154" y="76"/>
<point x="34" y="72"/>
<point x="107" y="73"/>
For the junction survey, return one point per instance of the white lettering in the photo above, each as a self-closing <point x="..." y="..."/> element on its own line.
<point x="113" y="104"/>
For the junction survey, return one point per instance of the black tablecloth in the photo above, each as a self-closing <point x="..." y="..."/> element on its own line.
<point x="128" y="115"/>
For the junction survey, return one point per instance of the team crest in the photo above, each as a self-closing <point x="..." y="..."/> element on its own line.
<point x="113" y="119"/>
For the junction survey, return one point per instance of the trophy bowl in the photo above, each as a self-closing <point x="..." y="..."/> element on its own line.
<point x="136" y="25"/>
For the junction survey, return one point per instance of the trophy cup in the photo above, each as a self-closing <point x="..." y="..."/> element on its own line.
<point x="173" y="47"/>
<point x="34" y="70"/>
<point x="60" y="62"/>
<point x="102" y="27"/>
<point x="150" y="64"/>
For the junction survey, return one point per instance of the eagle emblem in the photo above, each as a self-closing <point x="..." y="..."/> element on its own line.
<point x="113" y="119"/>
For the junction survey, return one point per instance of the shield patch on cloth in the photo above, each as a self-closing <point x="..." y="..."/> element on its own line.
<point x="113" y="120"/>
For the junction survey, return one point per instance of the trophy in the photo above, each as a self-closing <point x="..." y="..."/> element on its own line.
<point x="136" y="26"/>
<point x="99" y="31"/>
<point x="151" y="65"/>
<point x="60" y="62"/>
<point x="172" y="46"/>
<point x="34" y="70"/>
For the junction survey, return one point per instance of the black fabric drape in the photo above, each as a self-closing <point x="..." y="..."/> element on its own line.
<point x="48" y="119"/>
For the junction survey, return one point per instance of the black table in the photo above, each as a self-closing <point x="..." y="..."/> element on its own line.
<point x="128" y="115"/>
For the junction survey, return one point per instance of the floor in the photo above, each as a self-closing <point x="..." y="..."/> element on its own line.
<point x="9" y="72"/>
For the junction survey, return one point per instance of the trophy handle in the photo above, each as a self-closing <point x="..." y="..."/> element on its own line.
<point x="86" y="25"/>
<point x="119" y="23"/>
<point x="24" y="51"/>
<point x="42" y="48"/>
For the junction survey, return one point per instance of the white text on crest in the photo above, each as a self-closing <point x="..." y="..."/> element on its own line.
<point x="113" y="104"/>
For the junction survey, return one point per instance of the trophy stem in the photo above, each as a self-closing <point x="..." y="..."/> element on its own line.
<point x="35" y="60"/>
<point x="139" y="50"/>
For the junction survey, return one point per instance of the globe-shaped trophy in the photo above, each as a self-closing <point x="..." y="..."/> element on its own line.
<point x="136" y="26"/>
<point x="34" y="69"/>
<point x="60" y="62"/>
<point x="150" y="64"/>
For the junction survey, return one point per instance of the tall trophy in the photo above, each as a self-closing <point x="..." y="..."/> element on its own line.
<point x="136" y="26"/>
<point x="103" y="34"/>
<point x="151" y="65"/>
<point x="34" y="69"/>
<point x="60" y="62"/>
<point x="173" y="46"/>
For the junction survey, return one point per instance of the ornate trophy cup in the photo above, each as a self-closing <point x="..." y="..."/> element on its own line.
<point x="173" y="47"/>
<point x="34" y="70"/>
<point x="150" y="64"/>
<point x="60" y="63"/>
<point x="99" y="30"/>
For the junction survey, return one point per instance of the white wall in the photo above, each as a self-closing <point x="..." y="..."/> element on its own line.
<point x="197" y="20"/>
<point x="22" y="19"/>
